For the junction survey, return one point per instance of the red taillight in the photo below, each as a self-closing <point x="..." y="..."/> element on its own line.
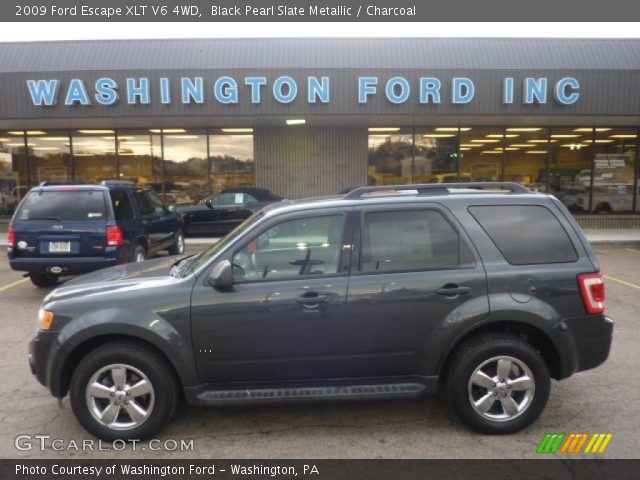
<point x="115" y="237"/>
<point x="593" y="293"/>
<point x="11" y="237"/>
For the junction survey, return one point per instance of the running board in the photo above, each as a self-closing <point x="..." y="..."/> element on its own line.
<point x="311" y="394"/>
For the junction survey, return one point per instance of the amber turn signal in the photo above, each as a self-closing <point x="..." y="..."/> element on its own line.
<point x="45" y="318"/>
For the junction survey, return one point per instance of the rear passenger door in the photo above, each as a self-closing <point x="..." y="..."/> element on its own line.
<point x="413" y="272"/>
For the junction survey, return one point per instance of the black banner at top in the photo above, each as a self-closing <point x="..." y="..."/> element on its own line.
<point x="317" y="10"/>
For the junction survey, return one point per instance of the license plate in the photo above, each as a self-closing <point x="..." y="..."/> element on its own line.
<point x="59" y="247"/>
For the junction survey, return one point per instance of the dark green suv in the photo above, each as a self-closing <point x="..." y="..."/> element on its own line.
<point x="483" y="291"/>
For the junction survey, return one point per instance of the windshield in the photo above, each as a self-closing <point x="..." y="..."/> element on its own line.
<point x="213" y="250"/>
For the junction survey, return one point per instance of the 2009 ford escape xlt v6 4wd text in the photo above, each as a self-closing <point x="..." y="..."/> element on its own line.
<point x="485" y="291"/>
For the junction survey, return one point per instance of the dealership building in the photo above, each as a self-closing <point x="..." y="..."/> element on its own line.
<point x="306" y="117"/>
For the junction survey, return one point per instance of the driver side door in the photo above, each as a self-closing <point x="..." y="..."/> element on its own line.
<point x="284" y="317"/>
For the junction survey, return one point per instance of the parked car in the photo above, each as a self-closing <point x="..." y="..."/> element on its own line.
<point x="218" y="214"/>
<point x="482" y="291"/>
<point x="70" y="229"/>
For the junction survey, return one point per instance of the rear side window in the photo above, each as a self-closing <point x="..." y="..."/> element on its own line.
<point x="122" y="207"/>
<point x="410" y="240"/>
<point x="526" y="234"/>
<point x="63" y="205"/>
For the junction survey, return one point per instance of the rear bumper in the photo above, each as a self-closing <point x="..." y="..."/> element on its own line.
<point x="67" y="265"/>
<point x="583" y="342"/>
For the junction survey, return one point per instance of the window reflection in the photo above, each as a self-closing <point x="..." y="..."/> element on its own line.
<point x="140" y="158"/>
<point x="13" y="172"/>
<point x="49" y="156"/>
<point x="232" y="162"/>
<point x="186" y="165"/>
<point x="571" y="154"/>
<point x="525" y="156"/>
<point x="613" y="170"/>
<point x="481" y="154"/>
<point x="436" y="155"/>
<point x="94" y="152"/>
<point x="390" y="156"/>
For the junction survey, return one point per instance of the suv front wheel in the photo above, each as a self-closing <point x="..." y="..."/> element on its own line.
<point x="123" y="390"/>
<point x="497" y="384"/>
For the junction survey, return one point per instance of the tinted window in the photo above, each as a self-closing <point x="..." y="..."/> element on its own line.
<point x="143" y="203"/>
<point x="526" y="234"/>
<point x="409" y="240"/>
<point x="63" y="205"/>
<point x="305" y="246"/>
<point x="122" y="207"/>
<point x="232" y="198"/>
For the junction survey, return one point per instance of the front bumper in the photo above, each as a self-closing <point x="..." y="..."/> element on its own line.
<point x="583" y="343"/>
<point x="67" y="265"/>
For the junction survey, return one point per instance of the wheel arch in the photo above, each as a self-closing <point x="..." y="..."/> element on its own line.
<point x="532" y="334"/>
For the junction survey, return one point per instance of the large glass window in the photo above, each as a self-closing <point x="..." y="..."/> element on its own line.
<point x="613" y="170"/>
<point x="94" y="152"/>
<point x="436" y="155"/>
<point x="525" y="156"/>
<point x="232" y="162"/>
<point x="13" y="171"/>
<point x="481" y="154"/>
<point x="140" y="157"/>
<point x="304" y="246"/>
<point x="186" y="167"/>
<point x="390" y="156"/>
<point x="571" y="155"/>
<point x="49" y="156"/>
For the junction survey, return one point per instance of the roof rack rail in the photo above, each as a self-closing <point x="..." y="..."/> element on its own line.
<point x="438" y="188"/>
<point x="51" y="183"/>
<point x="117" y="182"/>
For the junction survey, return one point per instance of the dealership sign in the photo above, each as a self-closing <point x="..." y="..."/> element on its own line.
<point x="106" y="91"/>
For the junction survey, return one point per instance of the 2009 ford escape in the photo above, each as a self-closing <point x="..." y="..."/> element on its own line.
<point x="485" y="291"/>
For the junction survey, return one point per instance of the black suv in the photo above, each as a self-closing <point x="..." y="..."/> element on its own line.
<point x="61" y="229"/>
<point x="481" y="291"/>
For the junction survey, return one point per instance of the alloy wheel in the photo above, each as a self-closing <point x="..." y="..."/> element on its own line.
<point x="120" y="397"/>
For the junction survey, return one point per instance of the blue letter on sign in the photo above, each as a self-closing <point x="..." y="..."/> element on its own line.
<point x="77" y="93"/>
<point x="390" y="90"/>
<point x="430" y="87"/>
<point x="278" y="89"/>
<point x="43" y="92"/>
<point x="366" y="87"/>
<point x="226" y="90"/>
<point x="463" y="90"/>
<point x="255" y="83"/>
<point x="561" y="94"/>
<point x="318" y="90"/>
<point x="106" y="91"/>
<point x="507" y="94"/>
<point x="192" y="90"/>
<point x="138" y="94"/>
<point x="165" y="92"/>
<point x="535" y="90"/>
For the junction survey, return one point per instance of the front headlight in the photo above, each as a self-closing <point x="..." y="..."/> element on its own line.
<point x="45" y="318"/>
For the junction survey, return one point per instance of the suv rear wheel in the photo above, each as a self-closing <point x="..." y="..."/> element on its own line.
<point x="124" y="391"/>
<point x="497" y="384"/>
<point x="139" y="254"/>
<point x="43" y="280"/>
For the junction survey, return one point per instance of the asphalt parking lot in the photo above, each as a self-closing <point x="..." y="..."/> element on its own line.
<point x="606" y="399"/>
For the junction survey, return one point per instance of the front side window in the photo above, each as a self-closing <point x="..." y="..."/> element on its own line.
<point x="299" y="247"/>
<point x="408" y="240"/>
<point x="144" y="203"/>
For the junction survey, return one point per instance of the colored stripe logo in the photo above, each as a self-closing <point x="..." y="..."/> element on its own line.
<point x="574" y="443"/>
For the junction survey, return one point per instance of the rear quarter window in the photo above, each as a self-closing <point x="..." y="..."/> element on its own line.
<point x="525" y="234"/>
<point x="63" y="205"/>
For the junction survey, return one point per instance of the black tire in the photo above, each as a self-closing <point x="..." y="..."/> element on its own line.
<point x="43" y="280"/>
<point x="470" y="356"/>
<point x="141" y="357"/>
<point x="178" y="247"/>
<point x="137" y="253"/>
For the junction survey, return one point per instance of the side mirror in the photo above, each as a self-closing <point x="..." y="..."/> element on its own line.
<point x="221" y="275"/>
<point x="208" y="202"/>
